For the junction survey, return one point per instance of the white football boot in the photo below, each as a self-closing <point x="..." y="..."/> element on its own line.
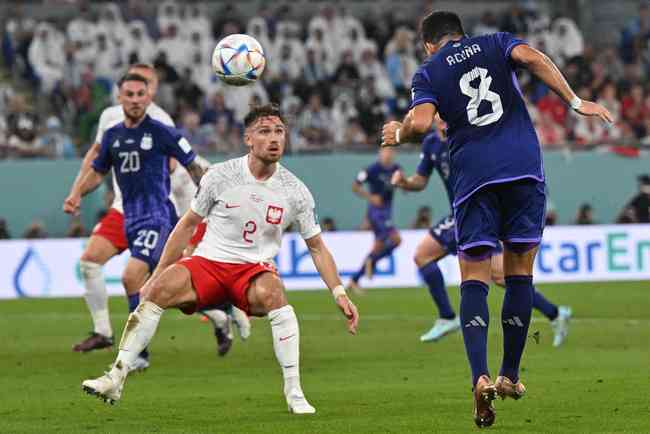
<point x="242" y="323"/>
<point x="441" y="328"/>
<point x="106" y="388"/>
<point x="560" y="325"/>
<point x="297" y="402"/>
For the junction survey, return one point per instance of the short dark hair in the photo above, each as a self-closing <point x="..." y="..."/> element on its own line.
<point x="131" y="77"/>
<point x="262" y="111"/>
<point x="438" y="24"/>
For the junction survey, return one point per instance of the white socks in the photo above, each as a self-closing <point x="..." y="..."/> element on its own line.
<point x="286" y="343"/>
<point x="139" y="330"/>
<point x="217" y="317"/>
<point x="96" y="296"/>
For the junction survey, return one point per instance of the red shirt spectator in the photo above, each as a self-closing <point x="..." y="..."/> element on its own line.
<point x="552" y="105"/>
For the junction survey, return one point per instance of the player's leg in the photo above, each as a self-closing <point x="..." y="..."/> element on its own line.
<point x="367" y="267"/>
<point x="218" y="317"/>
<point x="97" y="252"/>
<point x="241" y="321"/>
<point x="524" y="204"/>
<point x="266" y="296"/>
<point x="171" y="288"/>
<point x="427" y="254"/>
<point x="134" y="276"/>
<point x="559" y="316"/>
<point x="477" y="226"/>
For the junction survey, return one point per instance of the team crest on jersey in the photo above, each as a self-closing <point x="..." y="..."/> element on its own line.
<point x="147" y="142"/>
<point x="274" y="214"/>
<point x="116" y="144"/>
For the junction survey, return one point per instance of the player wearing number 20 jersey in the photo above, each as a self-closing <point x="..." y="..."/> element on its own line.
<point x="140" y="157"/>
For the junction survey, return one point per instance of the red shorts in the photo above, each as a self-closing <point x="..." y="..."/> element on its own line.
<point x="199" y="233"/>
<point x="111" y="227"/>
<point x="220" y="282"/>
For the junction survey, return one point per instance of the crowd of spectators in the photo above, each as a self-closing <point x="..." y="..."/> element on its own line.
<point x="338" y="77"/>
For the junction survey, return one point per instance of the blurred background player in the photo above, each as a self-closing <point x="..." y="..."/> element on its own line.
<point x="139" y="149"/>
<point x="440" y="241"/>
<point x="248" y="203"/>
<point x="380" y="209"/>
<point x="108" y="238"/>
<point x="497" y="178"/>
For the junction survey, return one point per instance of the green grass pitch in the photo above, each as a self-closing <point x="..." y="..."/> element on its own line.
<point x="381" y="381"/>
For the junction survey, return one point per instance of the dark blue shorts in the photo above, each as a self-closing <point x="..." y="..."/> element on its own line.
<point x="512" y="212"/>
<point x="381" y="222"/>
<point x="444" y="232"/>
<point x="147" y="240"/>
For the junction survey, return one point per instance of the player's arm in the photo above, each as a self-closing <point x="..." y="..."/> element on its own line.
<point x="86" y="164"/>
<point x="178" y="241"/>
<point x="180" y="149"/>
<point x="92" y="177"/>
<point x="196" y="171"/>
<point x="415" y="182"/>
<point x="540" y="65"/>
<point x="326" y="267"/>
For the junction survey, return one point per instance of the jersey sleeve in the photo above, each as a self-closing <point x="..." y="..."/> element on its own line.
<point x="506" y="42"/>
<point x="362" y="176"/>
<point x="207" y="193"/>
<point x="306" y="218"/>
<point x="101" y="126"/>
<point x="178" y="147"/>
<point x="103" y="162"/>
<point x="425" y="166"/>
<point x="421" y="89"/>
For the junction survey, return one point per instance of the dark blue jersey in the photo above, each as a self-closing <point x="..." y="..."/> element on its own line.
<point x="435" y="156"/>
<point x="491" y="137"/>
<point x="140" y="157"/>
<point x="378" y="179"/>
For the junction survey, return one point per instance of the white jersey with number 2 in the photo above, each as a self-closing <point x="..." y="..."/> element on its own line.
<point x="112" y="116"/>
<point x="246" y="217"/>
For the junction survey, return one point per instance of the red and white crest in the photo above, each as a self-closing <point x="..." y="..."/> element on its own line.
<point x="274" y="214"/>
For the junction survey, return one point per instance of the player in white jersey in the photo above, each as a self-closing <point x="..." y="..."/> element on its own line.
<point x="248" y="203"/>
<point x="108" y="238"/>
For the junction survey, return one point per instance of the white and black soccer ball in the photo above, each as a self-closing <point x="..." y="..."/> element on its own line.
<point x="238" y="60"/>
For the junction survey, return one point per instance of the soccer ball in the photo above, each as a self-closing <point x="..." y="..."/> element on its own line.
<point x="238" y="60"/>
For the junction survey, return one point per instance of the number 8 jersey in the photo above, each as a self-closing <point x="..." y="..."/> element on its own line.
<point x="473" y="85"/>
<point x="247" y="217"/>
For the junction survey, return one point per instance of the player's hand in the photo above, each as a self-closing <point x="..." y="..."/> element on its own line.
<point x="350" y="311"/>
<point x="375" y="200"/>
<point x="388" y="133"/>
<point x="397" y="179"/>
<point x="71" y="204"/>
<point x="589" y="108"/>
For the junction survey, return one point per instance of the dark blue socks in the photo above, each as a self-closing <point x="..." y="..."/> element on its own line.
<point x="475" y="318"/>
<point x="515" y="318"/>
<point x="432" y="275"/>
<point x="389" y="246"/>
<point x="548" y="309"/>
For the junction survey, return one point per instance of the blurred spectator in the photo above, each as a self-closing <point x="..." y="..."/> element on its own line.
<point x="422" y="218"/>
<point x="554" y="106"/>
<point x="550" y="133"/>
<point x="139" y="48"/>
<point x="186" y="91"/>
<point x="314" y="123"/>
<point x="47" y="56"/>
<point x="585" y="215"/>
<point x="22" y="131"/>
<point x="328" y="224"/>
<point x="197" y="136"/>
<point x="216" y="109"/>
<point x="634" y="109"/>
<point x="35" y="230"/>
<point x="636" y="34"/>
<point x="372" y="71"/>
<point x="637" y="210"/>
<point x="354" y="137"/>
<point x="4" y="231"/>
<point x="514" y="21"/>
<point x="400" y="60"/>
<point x="76" y="229"/>
<point x="487" y="24"/>
<point x="54" y="142"/>
<point x="568" y="39"/>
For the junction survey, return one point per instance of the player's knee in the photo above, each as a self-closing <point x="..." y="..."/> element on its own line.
<point x="89" y="269"/>
<point x="90" y="256"/>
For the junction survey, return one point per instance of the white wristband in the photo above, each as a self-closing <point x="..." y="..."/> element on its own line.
<point x="397" y="135"/>
<point x="337" y="291"/>
<point x="576" y="103"/>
